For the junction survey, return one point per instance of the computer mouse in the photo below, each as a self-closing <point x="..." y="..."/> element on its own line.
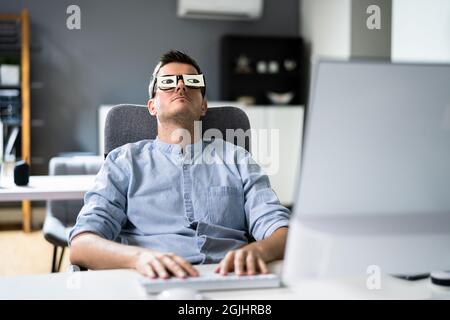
<point x="180" y="294"/>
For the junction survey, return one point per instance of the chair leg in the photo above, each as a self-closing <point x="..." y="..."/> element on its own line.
<point x="55" y="251"/>
<point x="61" y="258"/>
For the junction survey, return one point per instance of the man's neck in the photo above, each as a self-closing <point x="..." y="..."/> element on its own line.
<point x="177" y="134"/>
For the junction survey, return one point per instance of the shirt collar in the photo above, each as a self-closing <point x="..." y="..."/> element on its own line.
<point x="176" y="149"/>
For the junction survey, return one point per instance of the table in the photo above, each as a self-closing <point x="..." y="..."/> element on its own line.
<point x="123" y="284"/>
<point x="63" y="187"/>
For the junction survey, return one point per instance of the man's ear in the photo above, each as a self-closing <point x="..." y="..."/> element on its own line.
<point x="151" y="107"/>
<point x="204" y="106"/>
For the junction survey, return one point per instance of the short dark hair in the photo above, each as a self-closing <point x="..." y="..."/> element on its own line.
<point x="169" y="57"/>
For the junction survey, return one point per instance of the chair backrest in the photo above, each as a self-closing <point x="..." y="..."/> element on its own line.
<point x="128" y="123"/>
<point x="66" y="211"/>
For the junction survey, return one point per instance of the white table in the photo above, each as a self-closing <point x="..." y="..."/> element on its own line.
<point x="123" y="284"/>
<point x="64" y="187"/>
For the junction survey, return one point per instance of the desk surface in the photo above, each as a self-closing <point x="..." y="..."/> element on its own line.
<point x="64" y="187"/>
<point x="123" y="284"/>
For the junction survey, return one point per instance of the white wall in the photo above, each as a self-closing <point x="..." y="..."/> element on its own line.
<point x="326" y="25"/>
<point x="421" y="30"/>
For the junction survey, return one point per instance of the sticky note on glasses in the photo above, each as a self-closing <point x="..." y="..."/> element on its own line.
<point x="190" y="80"/>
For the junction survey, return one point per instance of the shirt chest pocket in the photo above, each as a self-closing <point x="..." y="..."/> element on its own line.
<point x="225" y="207"/>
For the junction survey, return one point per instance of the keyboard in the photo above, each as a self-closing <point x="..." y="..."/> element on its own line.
<point x="212" y="282"/>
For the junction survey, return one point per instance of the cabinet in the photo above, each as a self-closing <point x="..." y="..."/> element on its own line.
<point x="276" y="143"/>
<point x="260" y="70"/>
<point x="15" y="108"/>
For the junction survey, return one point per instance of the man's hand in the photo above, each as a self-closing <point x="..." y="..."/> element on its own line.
<point x="246" y="260"/>
<point x="156" y="264"/>
<point x="253" y="258"/>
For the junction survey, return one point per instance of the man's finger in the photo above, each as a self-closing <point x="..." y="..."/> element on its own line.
<point x="250" y="264"/>
<point x="227" y="263"/>
<point x="173" y="267"/>
<point x="239" y="261"/>
<point x="159" y="268"/>
<point x="147" y="271"/>
<point x="220" y="266"/>
<point x="262" y="266"/>
<point x="186" y="266"/>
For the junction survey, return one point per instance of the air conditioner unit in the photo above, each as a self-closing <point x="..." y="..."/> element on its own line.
<point x="220" y="9"/>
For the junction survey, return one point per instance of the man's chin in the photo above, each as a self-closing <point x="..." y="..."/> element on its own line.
<point x="181" y="114"/>
<point x="180" y="106"/>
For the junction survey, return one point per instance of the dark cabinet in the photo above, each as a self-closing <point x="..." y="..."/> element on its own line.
<point x="263" y="70"/>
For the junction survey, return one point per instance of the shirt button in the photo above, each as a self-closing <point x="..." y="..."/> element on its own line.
<point x="185" y="166"/>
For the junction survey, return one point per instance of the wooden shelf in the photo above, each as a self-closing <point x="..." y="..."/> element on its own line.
<point x="7" y="16"/>
<point x="25" y="134"/>
<point x="4" y="87"/>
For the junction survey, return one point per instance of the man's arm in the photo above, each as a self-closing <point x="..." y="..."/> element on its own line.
<point x="253" y="258"/>
<point x="93" y="252"/>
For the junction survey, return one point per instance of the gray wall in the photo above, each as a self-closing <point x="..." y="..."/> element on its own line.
<point x="366" y="43"/>
<point x="110" y="60"/>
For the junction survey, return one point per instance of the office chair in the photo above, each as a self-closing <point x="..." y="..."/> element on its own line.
<point x="62" y="214"/>
<point x="127" y="123"/>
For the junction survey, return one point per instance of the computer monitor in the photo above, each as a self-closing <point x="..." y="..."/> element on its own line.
<point x="374" y="185"/>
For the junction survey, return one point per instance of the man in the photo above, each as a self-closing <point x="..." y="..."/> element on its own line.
<point x="158" y="209"/>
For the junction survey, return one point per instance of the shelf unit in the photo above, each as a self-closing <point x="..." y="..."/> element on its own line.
<point x="23" y="49"/>
<point x="254" y="66"/>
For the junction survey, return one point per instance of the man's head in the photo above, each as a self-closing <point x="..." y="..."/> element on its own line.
<point x="178" y="101"/>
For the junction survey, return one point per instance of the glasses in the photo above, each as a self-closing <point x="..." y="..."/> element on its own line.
<point x="170" y="82"/>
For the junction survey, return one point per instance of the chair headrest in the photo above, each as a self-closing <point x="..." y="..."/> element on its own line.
<point x="127" y="123"/>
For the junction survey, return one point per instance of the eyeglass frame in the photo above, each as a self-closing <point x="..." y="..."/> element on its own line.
<point x="178" y="77"/>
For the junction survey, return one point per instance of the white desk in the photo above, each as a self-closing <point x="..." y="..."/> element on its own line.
<point x="123" y="284"/>
<point x="66" y="187"/>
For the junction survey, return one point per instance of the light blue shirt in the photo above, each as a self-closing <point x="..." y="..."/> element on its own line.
<point x="198" y="203"/>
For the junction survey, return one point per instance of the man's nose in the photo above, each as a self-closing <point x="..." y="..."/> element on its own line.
<point x="180" y="85"/>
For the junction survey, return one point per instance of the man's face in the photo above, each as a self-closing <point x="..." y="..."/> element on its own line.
<point x="181" y="104"/>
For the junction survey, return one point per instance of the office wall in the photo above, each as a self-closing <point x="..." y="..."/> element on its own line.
<point x="421" y="31"/>
<point x="365" y="42"/>
<point x="337" y="28"/>
<point x="111" y="58"/>
<point x="325" y="24"/>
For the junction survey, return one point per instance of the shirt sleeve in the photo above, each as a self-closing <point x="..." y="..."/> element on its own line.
<point x="104" y="210"/>
<point x="263" y="210"/>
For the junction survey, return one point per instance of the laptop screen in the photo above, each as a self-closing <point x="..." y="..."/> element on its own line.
<point x="377" y="140"/>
